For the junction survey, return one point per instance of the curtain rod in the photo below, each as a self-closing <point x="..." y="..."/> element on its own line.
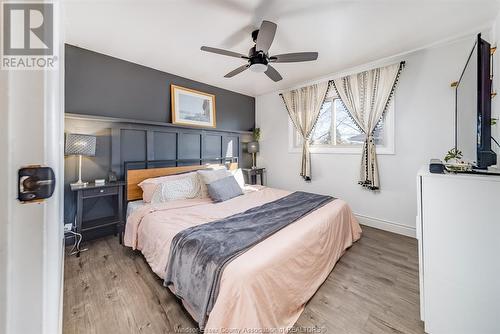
<point x="332" y="77"/>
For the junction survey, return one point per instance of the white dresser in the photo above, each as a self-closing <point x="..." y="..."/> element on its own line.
<point x="458" y="231"/>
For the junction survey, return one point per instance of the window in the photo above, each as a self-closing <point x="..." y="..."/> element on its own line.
<point x="336" y="132"/>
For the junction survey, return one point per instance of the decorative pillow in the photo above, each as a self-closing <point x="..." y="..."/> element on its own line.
<point x="224" y="189"/>
<point x="214" y="166"/>
<point x="149" y="186"/>
<point x="238" y="175"/>
<point x="176" y="189"/>
<point x="148" y="189"/>
<point x="209" y="176"/>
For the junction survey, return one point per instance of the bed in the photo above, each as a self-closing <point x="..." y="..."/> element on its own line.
<point x="264" y="289"/>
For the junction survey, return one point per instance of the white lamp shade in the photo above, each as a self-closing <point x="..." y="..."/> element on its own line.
<point x="78" y="144"/>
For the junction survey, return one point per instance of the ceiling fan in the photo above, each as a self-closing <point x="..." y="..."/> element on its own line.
<point x="258" y="56"/>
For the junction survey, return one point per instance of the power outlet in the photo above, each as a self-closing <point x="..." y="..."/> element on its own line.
<point x="68" y="227"/>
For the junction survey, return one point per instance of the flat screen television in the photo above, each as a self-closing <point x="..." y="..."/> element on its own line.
<point x="473" y="108"/>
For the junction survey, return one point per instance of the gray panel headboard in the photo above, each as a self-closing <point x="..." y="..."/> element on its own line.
<point x="120" y="141"/>
<point x="182" y="146"/>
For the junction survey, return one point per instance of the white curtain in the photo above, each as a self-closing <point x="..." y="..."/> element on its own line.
<point x="303" y="106"/>
<point x="366" y="96"/>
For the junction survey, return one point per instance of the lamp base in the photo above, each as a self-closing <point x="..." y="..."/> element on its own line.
<point x="254" y="160"/>
<point x="79" y="184"/>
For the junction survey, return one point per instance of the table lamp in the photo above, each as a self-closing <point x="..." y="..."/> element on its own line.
<point x="81" y="145"/>
<point x="253" y="148"/>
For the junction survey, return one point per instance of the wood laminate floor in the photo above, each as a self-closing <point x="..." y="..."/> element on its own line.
<point x="372" y="289"/>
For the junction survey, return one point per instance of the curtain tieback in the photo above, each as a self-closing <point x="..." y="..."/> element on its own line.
<point x="305" y="143"/>
<point x="369" y="145"/>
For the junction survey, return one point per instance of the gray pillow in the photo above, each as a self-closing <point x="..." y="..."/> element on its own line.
<point x="223" y="189"/>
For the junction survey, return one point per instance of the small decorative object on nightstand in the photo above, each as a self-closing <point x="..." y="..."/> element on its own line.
<point x="94" y="191"/>
<point x="252" y="173"/>
<point x="100" y="182"/>
<point x="112" y="177"/>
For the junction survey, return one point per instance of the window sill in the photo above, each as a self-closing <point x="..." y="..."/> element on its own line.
<point x="343" y="150"/>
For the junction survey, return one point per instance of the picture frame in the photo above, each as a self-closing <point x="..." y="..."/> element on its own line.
<point x="192" y="108"/>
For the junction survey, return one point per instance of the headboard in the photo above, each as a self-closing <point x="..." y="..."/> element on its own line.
<point x="135" y="176"/>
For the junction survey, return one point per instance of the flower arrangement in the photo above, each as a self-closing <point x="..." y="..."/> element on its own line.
<point x="454" y="162"/>
<point x="454" y="154"/>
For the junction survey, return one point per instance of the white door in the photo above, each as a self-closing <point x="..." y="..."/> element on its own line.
<point x="31" y="132"/>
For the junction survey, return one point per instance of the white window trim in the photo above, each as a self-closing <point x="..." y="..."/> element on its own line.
<point x="387" y="149"/>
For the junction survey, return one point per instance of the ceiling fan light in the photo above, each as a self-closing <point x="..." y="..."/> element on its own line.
<point x="258" y="68"/>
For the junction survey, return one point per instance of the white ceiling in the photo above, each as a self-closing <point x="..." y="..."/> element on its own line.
<point x="167" y="35"/>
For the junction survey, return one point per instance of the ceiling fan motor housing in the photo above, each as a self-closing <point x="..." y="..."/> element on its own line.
<point x="257" y="60"/>
<point x="257" y="57"/>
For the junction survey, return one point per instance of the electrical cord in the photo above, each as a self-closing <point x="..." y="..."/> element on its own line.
<point x="495" y="141"/>
<point x="76" y="246"/>
<point x="78" y="239"/>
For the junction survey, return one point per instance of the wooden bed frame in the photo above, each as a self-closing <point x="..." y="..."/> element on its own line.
<point x="135" y="176"/>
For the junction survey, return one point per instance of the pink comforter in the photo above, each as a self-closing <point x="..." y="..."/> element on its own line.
<point x="266" y="288"/>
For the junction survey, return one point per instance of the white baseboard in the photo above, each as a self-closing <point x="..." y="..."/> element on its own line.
<point x="386" y="225"/>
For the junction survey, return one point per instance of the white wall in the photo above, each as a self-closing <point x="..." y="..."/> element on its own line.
<point x="424" y="129"/>
<point x="32" y="255"/>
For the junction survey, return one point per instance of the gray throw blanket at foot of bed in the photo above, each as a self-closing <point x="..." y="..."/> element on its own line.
<point x="199" y="254"/>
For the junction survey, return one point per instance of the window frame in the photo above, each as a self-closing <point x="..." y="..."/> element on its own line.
<point x="387" y="149"/>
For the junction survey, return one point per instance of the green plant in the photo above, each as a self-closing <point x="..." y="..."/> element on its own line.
<point x="493" y="121"/>
<point x="256" y="134"/>
<point x="454" y="153"/>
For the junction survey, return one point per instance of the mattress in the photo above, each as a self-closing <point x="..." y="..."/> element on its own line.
<point x="134" y="205"/>
<point x="266" y="288"/>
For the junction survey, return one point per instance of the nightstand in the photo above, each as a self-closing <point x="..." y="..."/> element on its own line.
<point x="93" y="191"/>
<point x="252" y="173"/>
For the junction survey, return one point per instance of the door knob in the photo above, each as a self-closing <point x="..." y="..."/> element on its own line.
<point x="35" y="183"/>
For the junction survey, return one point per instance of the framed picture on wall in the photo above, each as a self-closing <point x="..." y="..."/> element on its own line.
<point x="191" y="107"/>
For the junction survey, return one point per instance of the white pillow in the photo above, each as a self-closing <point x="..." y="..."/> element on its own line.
<point x="176" y="189"/>
<point x="150" y="185"/>
<point x="238" y="175"/>
<point x="209" y="176"/>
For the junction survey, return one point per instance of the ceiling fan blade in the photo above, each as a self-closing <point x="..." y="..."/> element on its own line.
<point x="265" y="37"/>
<point x="294" y="57"/>
<point x="238" y="36"/>
<point x="223" y="52"/>
<point x="273" y="74"/>
<point x="236" y="71"/>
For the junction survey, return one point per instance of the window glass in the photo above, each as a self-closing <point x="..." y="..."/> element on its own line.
<point x="335" y="127"/>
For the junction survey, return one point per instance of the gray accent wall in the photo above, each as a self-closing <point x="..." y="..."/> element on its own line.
<point x="101" y="85"/>
<point x="127" y="106"/>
